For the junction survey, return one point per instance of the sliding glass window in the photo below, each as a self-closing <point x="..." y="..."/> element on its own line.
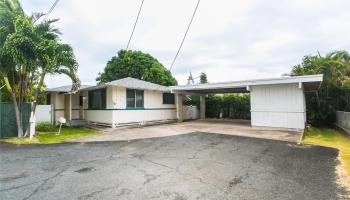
<point x="134" y="98"/>
<point x="97" y="99"/>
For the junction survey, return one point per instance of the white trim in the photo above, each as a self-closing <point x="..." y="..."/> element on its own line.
<point x="245" y="83"/>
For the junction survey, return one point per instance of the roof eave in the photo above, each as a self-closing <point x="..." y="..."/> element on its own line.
<point x="237" y="84"/>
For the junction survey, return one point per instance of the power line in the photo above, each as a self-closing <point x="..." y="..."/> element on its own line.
<point x="51" y="9"/>
<point x="133" y="29"/>
<point x="184" y="37"/>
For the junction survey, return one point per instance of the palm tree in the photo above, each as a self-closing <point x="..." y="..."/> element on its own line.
<point x="52" y="57"/>
<point x="16" y="51"/>
<point x="29" y="48"/>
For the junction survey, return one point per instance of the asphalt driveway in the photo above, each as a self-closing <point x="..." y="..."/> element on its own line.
<point x="190" y="166"/>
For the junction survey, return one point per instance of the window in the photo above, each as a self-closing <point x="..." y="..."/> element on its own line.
<point x="168" y="98"/>
<point x="130" y="98"/>
<point x="81" y="101"/>
<point x="134" y="98"/>
<point x="97" y="99"/>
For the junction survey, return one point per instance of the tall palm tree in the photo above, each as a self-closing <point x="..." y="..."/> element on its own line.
<point x="16" y="51"/>
<point x="52" y="57"/>
<point x="30" y="48"/>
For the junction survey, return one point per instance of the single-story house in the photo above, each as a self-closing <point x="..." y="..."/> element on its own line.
<point x="276" y="102"/>
<point x="115" y="103"/>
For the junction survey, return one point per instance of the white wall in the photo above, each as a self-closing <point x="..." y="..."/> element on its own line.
<point x="58" y="105"/>
<point x="343" y="121"/>
<point x="190" y="112"/>
<point x="137" y="116"/>
<point x="154" y="99"/>
<point x="280" y="106"/>
<point x="117" y="113"/>
<point x="44" y="113"/>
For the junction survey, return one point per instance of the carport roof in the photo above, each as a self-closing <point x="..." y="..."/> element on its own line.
<point x="309" y="83"/>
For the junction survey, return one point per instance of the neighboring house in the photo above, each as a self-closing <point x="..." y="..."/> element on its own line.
<point x="115" y="103"/>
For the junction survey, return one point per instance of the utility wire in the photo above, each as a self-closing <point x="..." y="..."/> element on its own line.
<point x="51" y="9"/>
<point x="133" y="29"/>
<point x="184" y="37"/>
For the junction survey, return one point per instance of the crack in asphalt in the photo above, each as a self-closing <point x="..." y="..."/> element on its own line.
<point x="92" y="194"/>
<point x="176" y="170"/>
<point x="43" y="183"/>
<point x="14" y="177"/>
<point x="148" y="176"/>
<point x="190" y="165"/>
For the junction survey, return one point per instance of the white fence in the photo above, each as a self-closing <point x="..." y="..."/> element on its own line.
<point x="343" y="121"/>
<point x="43" y="113"/>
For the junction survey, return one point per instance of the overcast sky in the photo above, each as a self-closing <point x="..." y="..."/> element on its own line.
<point x="228" y="40"/>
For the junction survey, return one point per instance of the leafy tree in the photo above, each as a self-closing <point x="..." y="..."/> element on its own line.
<point x="203" y="78"/>
<point x="334" y="93"/>
<point x="136" y="64"/>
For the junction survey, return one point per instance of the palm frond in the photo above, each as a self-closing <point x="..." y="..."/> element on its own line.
<point x="36" y="16"/>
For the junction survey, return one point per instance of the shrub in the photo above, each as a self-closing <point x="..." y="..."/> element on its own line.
<point x="45" y="127"/>
<point x="233" y="106"/>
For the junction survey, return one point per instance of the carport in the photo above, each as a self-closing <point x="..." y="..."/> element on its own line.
<point x="275" y="102"/>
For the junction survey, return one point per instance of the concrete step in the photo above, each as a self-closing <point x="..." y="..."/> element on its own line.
<point x="77" y="122"/>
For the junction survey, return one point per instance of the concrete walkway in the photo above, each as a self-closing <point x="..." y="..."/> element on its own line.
<point x="238" y="128"/>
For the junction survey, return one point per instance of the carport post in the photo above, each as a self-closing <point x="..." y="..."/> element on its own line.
<point x="202" y="107"/>
<point x="179" y="109"/>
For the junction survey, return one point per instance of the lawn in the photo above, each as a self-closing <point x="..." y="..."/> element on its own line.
<point x="331" y="138"/>
<point x="66" y="133"/>
<point x="51" y="137"/>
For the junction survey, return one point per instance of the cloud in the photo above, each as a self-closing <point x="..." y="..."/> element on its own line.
<point x="229" y="40"/>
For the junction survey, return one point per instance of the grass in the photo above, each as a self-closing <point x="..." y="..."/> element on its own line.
<point x="50" y="137"/>
<point x="66" y="133"/>
<point x="15" y="140"/>
<point x="331" y="138"/>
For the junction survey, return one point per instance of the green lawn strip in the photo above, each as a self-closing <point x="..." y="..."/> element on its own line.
<point x="331" y="138"/>
<point x="66" y="133"/>
<point x="15" y="140"/>
<point x="50" y="137"/>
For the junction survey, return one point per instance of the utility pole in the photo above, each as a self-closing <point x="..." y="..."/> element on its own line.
<point x="190" y="80"/>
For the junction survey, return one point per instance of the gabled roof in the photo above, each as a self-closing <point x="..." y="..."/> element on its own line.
<point x="66" y="88"/>
<point x="132" y="83"/>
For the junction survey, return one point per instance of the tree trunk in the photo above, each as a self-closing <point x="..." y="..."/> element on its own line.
<point x="15" y="106"/>
<point x="318" y="100"/>
<point x="347" y="99"/>
<point x="37" y="92"/>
